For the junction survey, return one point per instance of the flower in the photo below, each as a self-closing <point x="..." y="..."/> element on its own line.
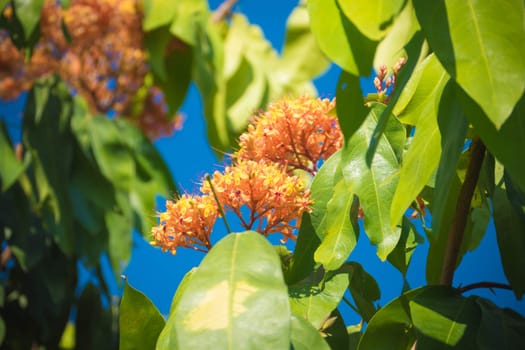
<point x="188" y="222"/>
<point x="275" y="200"/>
<point x="296" y="133"/>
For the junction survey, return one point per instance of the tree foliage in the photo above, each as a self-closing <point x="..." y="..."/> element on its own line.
<point x="439" y="139"/>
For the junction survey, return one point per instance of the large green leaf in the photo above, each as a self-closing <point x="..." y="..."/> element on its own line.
<point x="375" y="184"/>
<point x="363" y="288"/>
<point x="497" y="141"/>
<point x="28" y="12"/>
<point x="390" y="49"/>
<point x="140" y="321"/>
<point x="351" y="110"/>
<point x="480" y="41"/>
<point x="302" y="263"/>
<point x="340" y="39"/>
<point x="408" y="241"/>
<point x="301" y="58"/>
<point x="372" y="18"/>
<point x="443" y="319"/>
<point x="158" y="13"/>
<point x="499" y="328"/>
<point x="314" y="298"/>
<point x="304" y="336"/>
<point x="510" y="230"/>
<point x="416" y="170"/>
<point x="234" y="301"/>
<point x="10" y="167"/>
<point x="187" y="13"/>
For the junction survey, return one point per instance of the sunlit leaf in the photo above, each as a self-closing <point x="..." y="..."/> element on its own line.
<point x="28" y="12"/>
<point x="372" y="18"/>
<point x="158" y="13"/>
<point x="487" y="59"/>
<point x="340" y="39"/>
<point x="304" y="336"/>
<point x="186" y="15"/>
<point x="234" y="301"/>
<point x="10" y="167"/>
<point x="391" y="48"/>
<point x="375" y="185"/>
<point x="140" y="321"/>
<point x="314" y="299"/>
<point x="351" y="110"/>
<point x="417" y="170"/>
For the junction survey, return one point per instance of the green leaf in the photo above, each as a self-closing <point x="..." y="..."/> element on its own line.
<point x="375" y="185"/>
<point x="28" y="12"/>
<point x="416" y="170"/>
<point x="181" y="288"/>
<point x="391" y="326"/>
<point x="391" y="48"/>
<point x="363" y="288"/>
<point x="234" y="301"/>
<point x="354" y="336"/>
<point x="119" y="223"/>
<point x="510" y="231"/>
<point x="408" y="241"/>
<point x="302" y="59"/>
<point x="178" y="65"/>
<point x="494" y="46"/>
<point x="497" y="141"/>
<point x="304" y="336"/>
<point x="10" y="166"/>
<point x="187" y="13"/>
<point x="339" y="38"/>
<point x="158" y="13"/>
<point x="314" y="299"/>
<point x="444" y="319"/>
<point x="499" y="328"/>
<point x="372" y="18"/>
<point x="140" y="321"/>
<point x="341" y="230"/>
<point x="302" y="263"/>
<point x="351" y="110"/>
<point x="335" y="330"/>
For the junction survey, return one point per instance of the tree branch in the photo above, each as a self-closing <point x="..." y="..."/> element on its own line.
<point x="489" y="285"/>
<point x="223" y="11"/>
<point x="457" y="230"/>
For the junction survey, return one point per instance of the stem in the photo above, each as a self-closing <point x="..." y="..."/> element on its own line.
<point x="208" y="178"/>
<point x="457" y="230"/>
<point x="489" y="285"/>
<point x="352" y="306"/>
<point x="223" y="11"/>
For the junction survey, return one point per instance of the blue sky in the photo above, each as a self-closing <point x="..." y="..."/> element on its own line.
<point x="189" y="157"/>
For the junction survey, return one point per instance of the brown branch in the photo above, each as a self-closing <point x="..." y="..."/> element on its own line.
<point x="489" y="285"/>
<point x="223" y="11"/>
<point x="457" y="230"/>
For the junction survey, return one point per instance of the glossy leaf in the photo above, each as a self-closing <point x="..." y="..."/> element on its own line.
<point x="304" y="336"/>
<point x="363" y="288"/>
<point x="301" y="59"/>
<point x="10" y="167"/>
<point x="416" y="170"/>
<point x="444" y="319"/>
<point x="340" y="39"/>
<point x="181" y="288"/>
<point x="302" y="263"/>
<point x="510" y="228"/>
<point x="28" y="12"/>
<point x="391" y="48"/>
<point x="494" y="46"/>
<point x="314" y="299"/>
<point x="140" y="321"/>
<point x="373" y="18"/>
<point x="375" y="185"/>
<point x="351" y="110"/>
<point x="234" y="301"/>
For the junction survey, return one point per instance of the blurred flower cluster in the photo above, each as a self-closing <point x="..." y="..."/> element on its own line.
<point x="96" y="46"/>
<point x="259" y="186"/>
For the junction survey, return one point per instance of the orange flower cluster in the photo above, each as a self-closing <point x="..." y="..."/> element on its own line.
<point x="258" y="187"/>
<point x="186" y="223"/>
<point x="298" y="133"/>
<point x="104" y="62"/>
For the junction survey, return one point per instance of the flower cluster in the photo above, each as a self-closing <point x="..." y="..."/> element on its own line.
<point x="186" y="223"/>
<point x="297" y="133"/>
<point x="104" y="61"/>
<point x="259" y="186"/>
